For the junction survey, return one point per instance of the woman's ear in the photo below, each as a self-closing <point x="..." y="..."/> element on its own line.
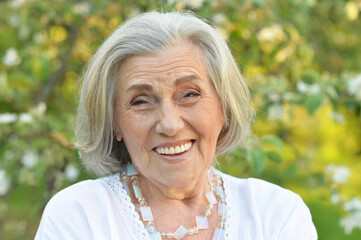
<point x="118" y="134"/>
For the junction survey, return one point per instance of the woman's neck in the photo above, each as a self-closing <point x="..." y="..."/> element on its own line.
<point x="191" y="194"/>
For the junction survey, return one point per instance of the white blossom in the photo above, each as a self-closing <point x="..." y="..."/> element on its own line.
<point x="71" y="172"/>
<point x="135" y="11"/>
<point x="335" y="198"/>
<point x="4" y="182"/>
<point x="82" y="8"/>
<point x="270" y="34"/>
<point x="11" y="57"/>
<point x="25" y="117"/>
<point x="29" y="159"/>
<point x="353" y="205"/>
<point x="24" y="32"/>
<point x="338" y="117"/>
<point x="303" y="87"/>
<point x="220" y="18"/>
<point x="38" y="38"/>
<point x="339" y="174"/>
<point x="8" y="117"/>
<point x="194" y="3"/>
<point x="354" y="87"/>
<point x="351" y="221"/>
<point x="40" y="108"/>
<point x="314" y="88"/>
<point x="274" y="97"/>
<point x="17" y="3"/>
<point x="275" y="112"/>
<point x="14" y="21"/>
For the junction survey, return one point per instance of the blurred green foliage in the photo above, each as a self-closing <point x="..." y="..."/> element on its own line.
<point x="300" y="58"/>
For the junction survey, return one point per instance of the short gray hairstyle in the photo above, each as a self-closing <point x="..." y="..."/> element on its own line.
<point x="149" y="33"/>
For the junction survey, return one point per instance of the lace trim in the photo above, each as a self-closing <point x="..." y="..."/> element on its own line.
<point x="136" y="226"/>
<point x="126" y="208"/>
<point x="231" y="230"/>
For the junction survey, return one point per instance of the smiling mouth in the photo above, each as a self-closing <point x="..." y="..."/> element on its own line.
<point x="174" y="150"/>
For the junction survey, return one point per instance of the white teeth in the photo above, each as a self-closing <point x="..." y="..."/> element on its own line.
<point x="174" y="150"/>
<point x="177" y="149"/>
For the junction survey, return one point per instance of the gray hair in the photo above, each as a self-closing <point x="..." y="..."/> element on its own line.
<point x="149" y="33"/>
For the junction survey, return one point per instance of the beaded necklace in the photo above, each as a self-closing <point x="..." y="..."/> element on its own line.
<point x="216" y="189"/>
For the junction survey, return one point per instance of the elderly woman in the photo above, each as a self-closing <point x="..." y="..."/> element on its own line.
<point x="161" y="98"/>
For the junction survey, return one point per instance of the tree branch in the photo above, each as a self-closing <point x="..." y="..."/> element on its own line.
<point x="58" y="76"/>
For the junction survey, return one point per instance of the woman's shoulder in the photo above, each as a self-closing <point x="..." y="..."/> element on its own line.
<point x="79" y="192"/>
<point x="258" y="188"/>
<point x="269" y="208"/>
<point x="73" y="211"/>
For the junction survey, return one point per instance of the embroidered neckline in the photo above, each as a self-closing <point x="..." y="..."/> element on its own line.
<point x="135" y="225"/>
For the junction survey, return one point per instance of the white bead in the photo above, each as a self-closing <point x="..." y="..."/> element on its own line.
<point x="155" y="236"/>
<point x="202" y="222"/>
<point x="222" y="210"/>
<point x="124" y="178"/>
<point x="131" y="170"/>
<point x="137" y="191"/>
<point x="146" y="214"/>
<point x="180" y="233"/>
<point x="218" y="234"/>
<point x="219" y="191"/>
<point x="169" y="235"/>
<point x="211" y="198"/>
<point x="151" y="227"/>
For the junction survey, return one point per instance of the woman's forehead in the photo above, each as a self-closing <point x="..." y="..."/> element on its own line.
<point x="176" y="62"/>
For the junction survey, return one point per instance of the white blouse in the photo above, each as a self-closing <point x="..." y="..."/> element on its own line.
<point x="101" y="209"/>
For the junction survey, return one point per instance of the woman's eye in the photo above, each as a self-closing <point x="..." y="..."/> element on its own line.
<point x="192" y="94"/>
<point x="138" y="101"/>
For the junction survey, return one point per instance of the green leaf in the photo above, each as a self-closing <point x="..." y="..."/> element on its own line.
<point x="310" y="76"/>
<point x="291" y="170"/>
<point x="273" y="156"/>
<point x="257" y="160"/>
<point x="259" y="3"/>
<point x="272" y="139"/>
<point x="312" y="103"/>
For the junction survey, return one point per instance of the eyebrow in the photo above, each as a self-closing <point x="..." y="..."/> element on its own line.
<point x="149" y="87"/>
<point x="146" y="87"/>
<point x="188" y="78"/>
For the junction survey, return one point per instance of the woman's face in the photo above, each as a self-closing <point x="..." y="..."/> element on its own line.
<point x="168" y="114"/>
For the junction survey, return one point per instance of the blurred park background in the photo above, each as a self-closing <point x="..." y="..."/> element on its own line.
<point x="302" y="62"/>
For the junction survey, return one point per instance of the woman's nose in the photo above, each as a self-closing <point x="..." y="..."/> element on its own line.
<point x="169" y="121"/>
